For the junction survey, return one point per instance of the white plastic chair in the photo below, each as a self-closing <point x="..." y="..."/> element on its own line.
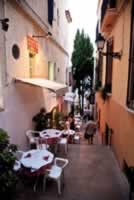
<point x="17" y="165"/>
<point x="56" y="172"/>
<point x="42" y="145"/>
<point x="63" y="142"/>
<point x="19" y="154"/>
<point x="76" y="139"/>
<point x="32" y="140"/>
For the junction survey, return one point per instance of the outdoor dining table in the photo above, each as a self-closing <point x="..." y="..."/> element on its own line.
<point x="69" y="134"/>
<point x="36" y="161"/>
<point x="50" y="136"/>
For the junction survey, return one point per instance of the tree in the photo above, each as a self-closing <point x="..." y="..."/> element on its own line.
<point x="82" y="62"/>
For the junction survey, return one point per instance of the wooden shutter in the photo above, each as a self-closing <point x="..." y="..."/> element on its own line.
<point x="109" y="64"/>
<point x="130" y="97"/>
<point x="50" y="11"/>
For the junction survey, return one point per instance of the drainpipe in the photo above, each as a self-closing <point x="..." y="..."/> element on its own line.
<point x="4" y="68"/>
<point x="3" y="64"/>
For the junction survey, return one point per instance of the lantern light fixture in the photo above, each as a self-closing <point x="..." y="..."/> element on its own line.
<point x="100" y="41"/>
<point x="4" y="23"/>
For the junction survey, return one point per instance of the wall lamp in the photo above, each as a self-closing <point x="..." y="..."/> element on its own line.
<point x="48" y="35"/>
<point x="100" y="41"/>
<point x="4" y="23"/>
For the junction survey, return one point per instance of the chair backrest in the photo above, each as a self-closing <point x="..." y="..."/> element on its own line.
<point x="62" y="162"/>
<point x="19" y="154"/>
<point x="31" y="134"/>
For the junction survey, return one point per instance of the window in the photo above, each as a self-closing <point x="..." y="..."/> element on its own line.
<point x="50" y="11"/>
<point x="130" y="96"/>
<point x="100" y="64"/>
<point x="105" y="5"/>
<point x="52" y="71"/>
<point x="58" y="17"/>
<point x="109" y="64"/>
<point x="15" y="51"/>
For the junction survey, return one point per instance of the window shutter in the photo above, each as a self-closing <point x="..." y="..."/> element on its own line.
<point x="50" y="11"/>
<point x="109" y="64"/>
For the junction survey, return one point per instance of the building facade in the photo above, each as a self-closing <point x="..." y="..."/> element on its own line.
<point x="35" y="47"/>
<point x="115" y="78"/>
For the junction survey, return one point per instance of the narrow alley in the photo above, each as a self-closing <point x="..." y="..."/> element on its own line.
<point x="66" y="73"/>
<point x="93" y="173"/>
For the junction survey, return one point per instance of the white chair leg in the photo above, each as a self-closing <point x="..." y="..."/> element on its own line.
<point x="59" y="186"/>
<point x="35" y="184"/>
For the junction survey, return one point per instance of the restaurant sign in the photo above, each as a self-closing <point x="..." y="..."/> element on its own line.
<point x="32" y="44"/>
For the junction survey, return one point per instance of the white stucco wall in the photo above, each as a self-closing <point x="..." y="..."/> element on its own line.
<point x="59" y="31"/>
<point x="22" y="102"/>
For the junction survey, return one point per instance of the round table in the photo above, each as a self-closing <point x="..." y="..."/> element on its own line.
<point x="50" y="136"/>
<point x="35" y="162"/>
<point x="69" y="134"/>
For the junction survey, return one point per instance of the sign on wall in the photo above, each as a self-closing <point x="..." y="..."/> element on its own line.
<point x="32" y="44"/>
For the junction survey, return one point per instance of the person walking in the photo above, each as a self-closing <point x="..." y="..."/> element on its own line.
<point x="90" y="131"/>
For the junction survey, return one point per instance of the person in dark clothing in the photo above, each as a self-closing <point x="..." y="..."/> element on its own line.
<point x="71" y="121"/>
<point x="40" y="120"/>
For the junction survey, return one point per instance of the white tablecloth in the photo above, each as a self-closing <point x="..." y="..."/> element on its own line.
<point x="35" y="159"/>
<point x="50" y="133"/>
<point x="68" y="132"/>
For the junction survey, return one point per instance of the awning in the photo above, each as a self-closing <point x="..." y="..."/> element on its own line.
<point x="58" y="88"/>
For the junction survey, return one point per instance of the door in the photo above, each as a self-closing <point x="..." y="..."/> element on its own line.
<point x="31" y="64"/>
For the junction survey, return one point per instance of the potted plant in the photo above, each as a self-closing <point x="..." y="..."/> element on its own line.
<point x="8" y="178"/>
<point x="4" y="139"/>
<point x="103" y="93"/>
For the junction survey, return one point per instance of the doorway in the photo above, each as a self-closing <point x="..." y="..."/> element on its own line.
<point x="31" y="64"/>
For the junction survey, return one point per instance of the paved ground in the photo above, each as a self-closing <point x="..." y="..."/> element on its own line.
<point x="92" y="174"/>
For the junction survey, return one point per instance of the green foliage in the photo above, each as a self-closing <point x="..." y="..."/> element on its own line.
<point x="59" y="118"/>
<point x="82" y="63"/>
<point x="8" y="177"/>
<point x="82" y="56"/>
<point x="4" y="139"/>
<point x="97" y="85"/>
<point x="103" y="91"/>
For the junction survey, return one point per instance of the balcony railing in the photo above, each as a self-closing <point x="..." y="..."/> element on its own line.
<point x="108" y="15"/>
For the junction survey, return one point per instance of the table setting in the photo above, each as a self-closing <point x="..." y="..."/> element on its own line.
<point x="50" y="136"/>
<point x="36" y="161"/>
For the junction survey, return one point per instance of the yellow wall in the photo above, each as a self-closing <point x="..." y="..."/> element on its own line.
<point x="122" y="123"/>
<point x="121" y="35"/>
<point x="113" y="110"/>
